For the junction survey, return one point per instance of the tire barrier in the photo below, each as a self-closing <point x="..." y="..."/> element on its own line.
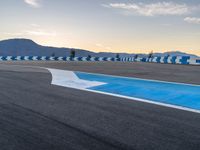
<point x="165" y="60"/>
<point x="48" y="58"/>
<point x="184" y="60"/>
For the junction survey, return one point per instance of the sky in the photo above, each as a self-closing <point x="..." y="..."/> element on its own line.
<point x="132" y="26"/>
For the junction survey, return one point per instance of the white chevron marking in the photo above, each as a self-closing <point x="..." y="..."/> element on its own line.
<point x="69" y="79"/>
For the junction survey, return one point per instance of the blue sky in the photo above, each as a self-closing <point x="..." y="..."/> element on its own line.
<point x="134" y="26"/>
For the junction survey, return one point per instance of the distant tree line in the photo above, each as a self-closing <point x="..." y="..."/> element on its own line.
<point x="117" y="56"/>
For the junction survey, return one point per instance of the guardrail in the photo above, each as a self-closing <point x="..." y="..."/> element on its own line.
<point x="166" y="60"/>
<point x="184" y="60"/>
<point x="49" y="58"/>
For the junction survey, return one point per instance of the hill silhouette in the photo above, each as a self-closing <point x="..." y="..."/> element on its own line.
<point x="27" y="47"/>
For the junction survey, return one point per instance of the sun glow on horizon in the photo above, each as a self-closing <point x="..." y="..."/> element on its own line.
<point x="105" y="26"/>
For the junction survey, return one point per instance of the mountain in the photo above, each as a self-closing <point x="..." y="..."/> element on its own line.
<point x="26" y="47"/>
<point x="175" y="53"/>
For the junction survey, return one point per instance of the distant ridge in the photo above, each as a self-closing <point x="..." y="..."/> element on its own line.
<point x="174" y="53"/>
<point x="27" y="47"/>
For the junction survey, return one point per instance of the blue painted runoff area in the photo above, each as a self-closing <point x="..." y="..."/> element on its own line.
<point x="184" y="95"/>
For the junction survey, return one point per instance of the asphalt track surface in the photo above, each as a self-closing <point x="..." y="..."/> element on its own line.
<point x="35" y="115"/>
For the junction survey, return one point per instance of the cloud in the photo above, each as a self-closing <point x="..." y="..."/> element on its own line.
<point x="192" y="20"/>
<point x="35" y="25"/>
<point x="32" y="33"/>
<point x="13" y="34"/>
<point x="40" y="33"/>
<point x="153" y="9"/>
<point x="33" y="3"/>
<point x="103" y="46"/>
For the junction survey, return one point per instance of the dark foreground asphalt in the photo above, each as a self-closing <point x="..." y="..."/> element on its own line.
<point x="35" y="115"/>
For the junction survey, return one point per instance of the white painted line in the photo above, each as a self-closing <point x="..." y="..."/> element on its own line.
<point x="69" y="79"/>
<point x="144" y="100"/>
<point x="160" y="81"/>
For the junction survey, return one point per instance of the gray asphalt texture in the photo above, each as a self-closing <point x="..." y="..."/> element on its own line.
<point x="165" y="72"/>
<point x="35" y="115"/>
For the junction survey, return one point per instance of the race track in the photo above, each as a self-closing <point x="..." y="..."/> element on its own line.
<point x="36" y="115"/>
